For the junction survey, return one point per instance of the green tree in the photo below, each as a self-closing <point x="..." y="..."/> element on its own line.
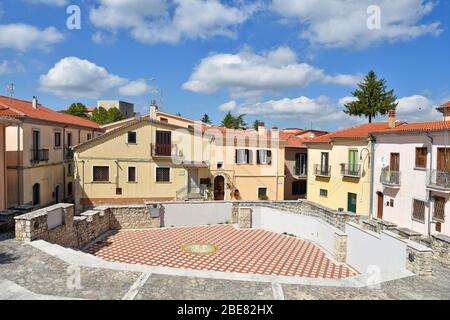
<point x="100" y="116"/>
<point x="232" y="122"/>
<point x="240" y="123"/>
<point x="372" y="98"/>
<point x="256" y="125"/>
<point x="206" y="119"/>
<point x="77" y="109"/>
<point x="114" y="115"/>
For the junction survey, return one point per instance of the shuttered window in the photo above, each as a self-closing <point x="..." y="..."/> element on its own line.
<point x="418" y="210"/>
<point x="242" y="156"/>
<point x="439" y="209"/>
<point x="131" y="174"/>
<point x="264" y="157"/>
<point x="101" y="174"/>
<point x="162" y="174"/>
<point x="421" y="157"/>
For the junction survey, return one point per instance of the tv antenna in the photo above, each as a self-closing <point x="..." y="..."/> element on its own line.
<point x="10" y="88"/>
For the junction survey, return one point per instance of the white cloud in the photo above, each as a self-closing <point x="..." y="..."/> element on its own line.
<point x="23" y="37"/>
<point x="228" y="106"/>
<point x="8" y="67"/>
<point x="164" y="21"/>
<point x="135" y="88"/>
<point x="343" y="23"/>
<point x="72" y="77"/>
<point x="248" y="74"/>
<point x="58" y="3"/>
<point x="417" y="108"/>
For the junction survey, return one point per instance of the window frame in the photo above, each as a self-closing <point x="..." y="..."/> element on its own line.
<point x="102" y="181"/>
<point x="268" y="161"/>
<point x="416" y="158"/>
<point x="156" y="175"/>
<point x="438" y="219"/>
<point x="128" y="137"/>
<point x="247" y="154"/>
<point x="413" y="210"/>
<point x="135" y="174"/>
<point x="261" y="188"/>
<point x="326" y="193"/>
<point x="59" y="134"/>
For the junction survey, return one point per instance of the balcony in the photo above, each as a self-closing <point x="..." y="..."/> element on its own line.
<point x="390" y="178"/>
<point x="39" y="155"/>
<point x="164" y="150"/>
<point x="322" y="171"/>
<point x="438" y="180"/>
<point x="68" y="153"/>
<point x="300" y="172"/>
<point x="351" y="170"/>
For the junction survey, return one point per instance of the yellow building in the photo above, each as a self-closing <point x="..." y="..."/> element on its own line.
<point x="38" y="152"/>
<point x="4" y="122"/>
<point x="173" y="158"/>
<point x="339" y="168"/>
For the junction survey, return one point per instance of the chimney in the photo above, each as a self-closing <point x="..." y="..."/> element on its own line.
<point x="34" y="102"/>
<point x="261" y="128"/>
<point x="153" y="110"/>
<point x="392" y="119"/>
<point x="445" y="110"/>
<point x="275" y="133"/>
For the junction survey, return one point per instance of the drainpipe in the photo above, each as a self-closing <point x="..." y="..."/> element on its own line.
<point x="19" y="169"/>
<point x="429" y="191"/>
<point x="372" y="172"/>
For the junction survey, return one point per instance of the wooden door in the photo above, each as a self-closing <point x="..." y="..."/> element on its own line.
<point x="443" y="160"/>
<point x="395" y="162"/>
<point x="163" y="143"/>
<point x="351" y="202"/>
<point x="219" y="188"/>
<point x="380" y="205"/>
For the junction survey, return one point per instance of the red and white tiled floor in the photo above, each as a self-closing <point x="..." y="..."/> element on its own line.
<point x="245" y="251"/>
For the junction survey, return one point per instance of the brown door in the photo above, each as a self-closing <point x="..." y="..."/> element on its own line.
<point x="163" y="143"/>
<point x="443" y="160"/>
<point x="219" y="188"/>
<point x="395" y="162"/>
<point x="380" y="205"/>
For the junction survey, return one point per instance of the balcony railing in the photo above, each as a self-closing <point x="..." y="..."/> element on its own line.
<point x="322" y="171"/>
<point x="390" y="178"/>
<point x="164" y="150"/>
<point x="68" y="153"/>
<point x="350" y="170"/>
<point x="439" y="180"/>
<point x="300" y="171"/>
<point x="39" y="155"/>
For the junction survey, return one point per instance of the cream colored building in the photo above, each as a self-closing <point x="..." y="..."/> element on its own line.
<point x="193" y="160"/>
<point x="339" y="168"/>
<point x="4" y="122"/>
<point x="38" y="152"/>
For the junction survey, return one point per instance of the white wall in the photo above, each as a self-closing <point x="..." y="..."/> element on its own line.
<point x="366" y="249"/>
<point x="179" y="214"/>
<point x="305" y="227"/>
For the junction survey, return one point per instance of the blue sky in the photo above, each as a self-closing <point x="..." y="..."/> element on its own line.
<point x="290" y="63"/>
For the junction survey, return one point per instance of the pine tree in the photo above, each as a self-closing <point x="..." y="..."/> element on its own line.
<point x="114" y="115"/>
<point x="77" y="109"/>
<point x="372" y="98"/>
<point x="228" y="121"/>
<point x="100" y="116"/>
<point x="206" y="119"/>
<point x="256" y="125"/>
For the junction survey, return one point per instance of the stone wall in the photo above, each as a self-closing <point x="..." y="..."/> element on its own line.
<point x="340" y="247"/>
<point x="245" y="218"/>
<point x="441" y="248"/>
<point x="419" y="259"/>
<point x="304" y="207"/>
<point x="78" y="231"/>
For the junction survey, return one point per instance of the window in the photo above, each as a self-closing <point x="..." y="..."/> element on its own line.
<point x="69" y="189"/>
<point x="57" y="139"/>
<point x="89" y="136"/>
<point x="421" y="157"/>
<point x="219" y="164"/>
<point x="101" y="174"/>
<point x="132" y="137"/>
<point x="242" y="156"/>
<point x="324" y="163"/>
<point x="301" y="164"/>
<point x="264" y="157"/>
<point x="323" y="193"/>
<point x="69" y="139"/>
<point x="418" y="210"/>
<point x="262" y="193"/>
<point x="298" y="188"/>
<point x="70" y="169"/>
<point x="131" y="174"/>
<point x="439" y="209"/>
<point x="162" y="174"/>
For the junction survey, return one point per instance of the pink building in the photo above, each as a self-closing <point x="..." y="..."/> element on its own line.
<point x="412" y="175"/>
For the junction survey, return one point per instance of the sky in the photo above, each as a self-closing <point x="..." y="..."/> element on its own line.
<point x="288" y="63"/>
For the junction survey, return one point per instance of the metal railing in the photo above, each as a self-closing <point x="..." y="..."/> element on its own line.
<point x="322" y="171"/>
<point x="68" y="153"/>
<point x="351" y="170"/>
<point x="390" y="178"/>
<point x="38" y="155"/>
<point x="300" y="171"/>
<point x="438" y="179"/>
<point x="164" y="150"/>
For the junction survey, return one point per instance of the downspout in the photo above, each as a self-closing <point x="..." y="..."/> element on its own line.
<point x="429" y="191"/>
<point x="372" y="172"/>
<point x="19" y="169"/>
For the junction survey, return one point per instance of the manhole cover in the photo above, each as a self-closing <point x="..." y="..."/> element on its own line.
<point x="200" y="248"/>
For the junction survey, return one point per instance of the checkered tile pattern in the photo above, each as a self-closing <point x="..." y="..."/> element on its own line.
<point x="245" y="251"/>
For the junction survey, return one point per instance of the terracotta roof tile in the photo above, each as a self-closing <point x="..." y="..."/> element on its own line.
<point x="16" y="108"/>
<point x="422" y="126"/>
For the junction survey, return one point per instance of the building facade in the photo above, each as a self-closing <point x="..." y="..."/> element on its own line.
<point x="412" y="176"/>
<point x="126" y="108"/>
<point x="39" y="158"/>
<point x="4" y="122"/>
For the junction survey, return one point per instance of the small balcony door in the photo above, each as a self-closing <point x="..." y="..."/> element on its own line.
<point x="163" y="143"/>
<point x="324" y="163"/>
<point x="36" y="144"/>
<point x="351" y="202"/>
<point x="395" y="162"/>
<point x="443" y="160"/>
<point x="301" y="164"/>
<point x="69" y="139"/>
<point x="353" y="162"/>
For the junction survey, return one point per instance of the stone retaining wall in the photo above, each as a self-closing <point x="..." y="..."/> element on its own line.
<point x="441" y="247"/>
